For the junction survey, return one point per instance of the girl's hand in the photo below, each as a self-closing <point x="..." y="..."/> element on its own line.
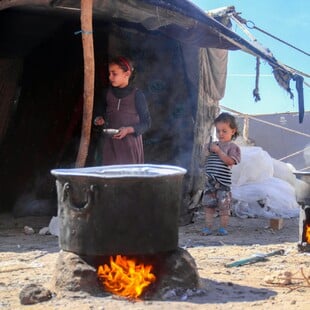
<point x="123" y="132"/>
<point x="99" y="121"/>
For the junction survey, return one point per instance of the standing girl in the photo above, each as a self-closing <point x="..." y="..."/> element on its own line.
<point x="123" y="107"/>
<point x="222" y="155"/>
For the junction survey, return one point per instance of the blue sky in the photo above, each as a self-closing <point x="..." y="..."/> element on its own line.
<point x="287" y="20"/>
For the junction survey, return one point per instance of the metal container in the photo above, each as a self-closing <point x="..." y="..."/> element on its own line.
<point x="304" y="214"/>
<point x="304" y="224"/>
<point x="121" y="209"/>
<point x="303" y="175"/>
<point x="110" y="131"/>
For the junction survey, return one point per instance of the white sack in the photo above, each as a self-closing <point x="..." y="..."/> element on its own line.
<point x="256" y="165"/>
<point x="284" y="172"/>
<point x="271" y="198"/>
<point x="53" y="226"/>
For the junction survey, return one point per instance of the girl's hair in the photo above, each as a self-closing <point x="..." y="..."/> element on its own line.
<point x="125" y="64"/>
<point x="229" y="119"/>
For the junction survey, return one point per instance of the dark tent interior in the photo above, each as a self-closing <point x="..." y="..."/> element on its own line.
<point x="41" y="69"/>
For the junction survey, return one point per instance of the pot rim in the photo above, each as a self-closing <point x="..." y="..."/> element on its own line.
<point x="122" y="171"/>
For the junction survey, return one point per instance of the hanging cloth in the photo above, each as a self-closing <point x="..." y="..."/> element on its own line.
<point x="299" y="87"/>
<point x="256" y="89"/>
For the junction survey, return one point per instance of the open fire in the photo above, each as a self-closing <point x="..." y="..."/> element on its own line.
<point x="304" y="226"/>
<point x="304" y="215"/>
<point x="125" y="277"/>
<point x="307" y="233"/>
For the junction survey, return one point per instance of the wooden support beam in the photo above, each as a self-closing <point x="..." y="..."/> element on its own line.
<point x="89" y="78"/>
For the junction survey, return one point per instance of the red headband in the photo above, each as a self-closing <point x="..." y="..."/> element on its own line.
<point x="125" y="62"/>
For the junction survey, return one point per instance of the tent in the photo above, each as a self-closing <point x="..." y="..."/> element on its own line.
<point x="180" y="55"/>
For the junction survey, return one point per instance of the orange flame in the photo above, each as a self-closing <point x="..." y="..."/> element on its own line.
<point x="123" y="277"/>
<point x="307" y="234"/>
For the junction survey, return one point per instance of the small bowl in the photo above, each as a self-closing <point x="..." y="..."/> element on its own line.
<point x="110" y="131"/>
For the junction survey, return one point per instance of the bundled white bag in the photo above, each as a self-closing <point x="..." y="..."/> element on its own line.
<point x="256" y="165"/>
<point x="271" y="198"/>
<point x="263" y="187"/>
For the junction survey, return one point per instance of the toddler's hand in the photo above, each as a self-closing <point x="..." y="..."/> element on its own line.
<point x="214" y="148"/>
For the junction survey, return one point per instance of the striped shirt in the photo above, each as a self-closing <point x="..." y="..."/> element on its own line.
<point x="216" y="169"/>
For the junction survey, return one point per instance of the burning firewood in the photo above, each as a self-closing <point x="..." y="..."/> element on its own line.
<point x="125" y="277"/>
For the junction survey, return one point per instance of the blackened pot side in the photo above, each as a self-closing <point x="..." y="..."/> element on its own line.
<point x="123" y="209"/>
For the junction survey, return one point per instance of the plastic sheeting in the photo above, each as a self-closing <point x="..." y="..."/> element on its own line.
<point x="263" y="187"/>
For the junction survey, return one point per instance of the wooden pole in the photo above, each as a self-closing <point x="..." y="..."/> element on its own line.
<point x="89" y="77"/>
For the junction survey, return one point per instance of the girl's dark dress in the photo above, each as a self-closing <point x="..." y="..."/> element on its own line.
<point x="125" y="107"/>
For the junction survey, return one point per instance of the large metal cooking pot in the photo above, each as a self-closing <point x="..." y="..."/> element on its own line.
<point x="121" y="209"/>
<point x="303" y="175"/>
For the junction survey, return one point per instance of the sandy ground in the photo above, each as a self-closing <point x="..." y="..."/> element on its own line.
<point x="26" y="259"/>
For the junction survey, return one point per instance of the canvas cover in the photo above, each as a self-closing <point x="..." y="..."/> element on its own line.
<point x="180" y="54"/>
<point x="182" y="83"/>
